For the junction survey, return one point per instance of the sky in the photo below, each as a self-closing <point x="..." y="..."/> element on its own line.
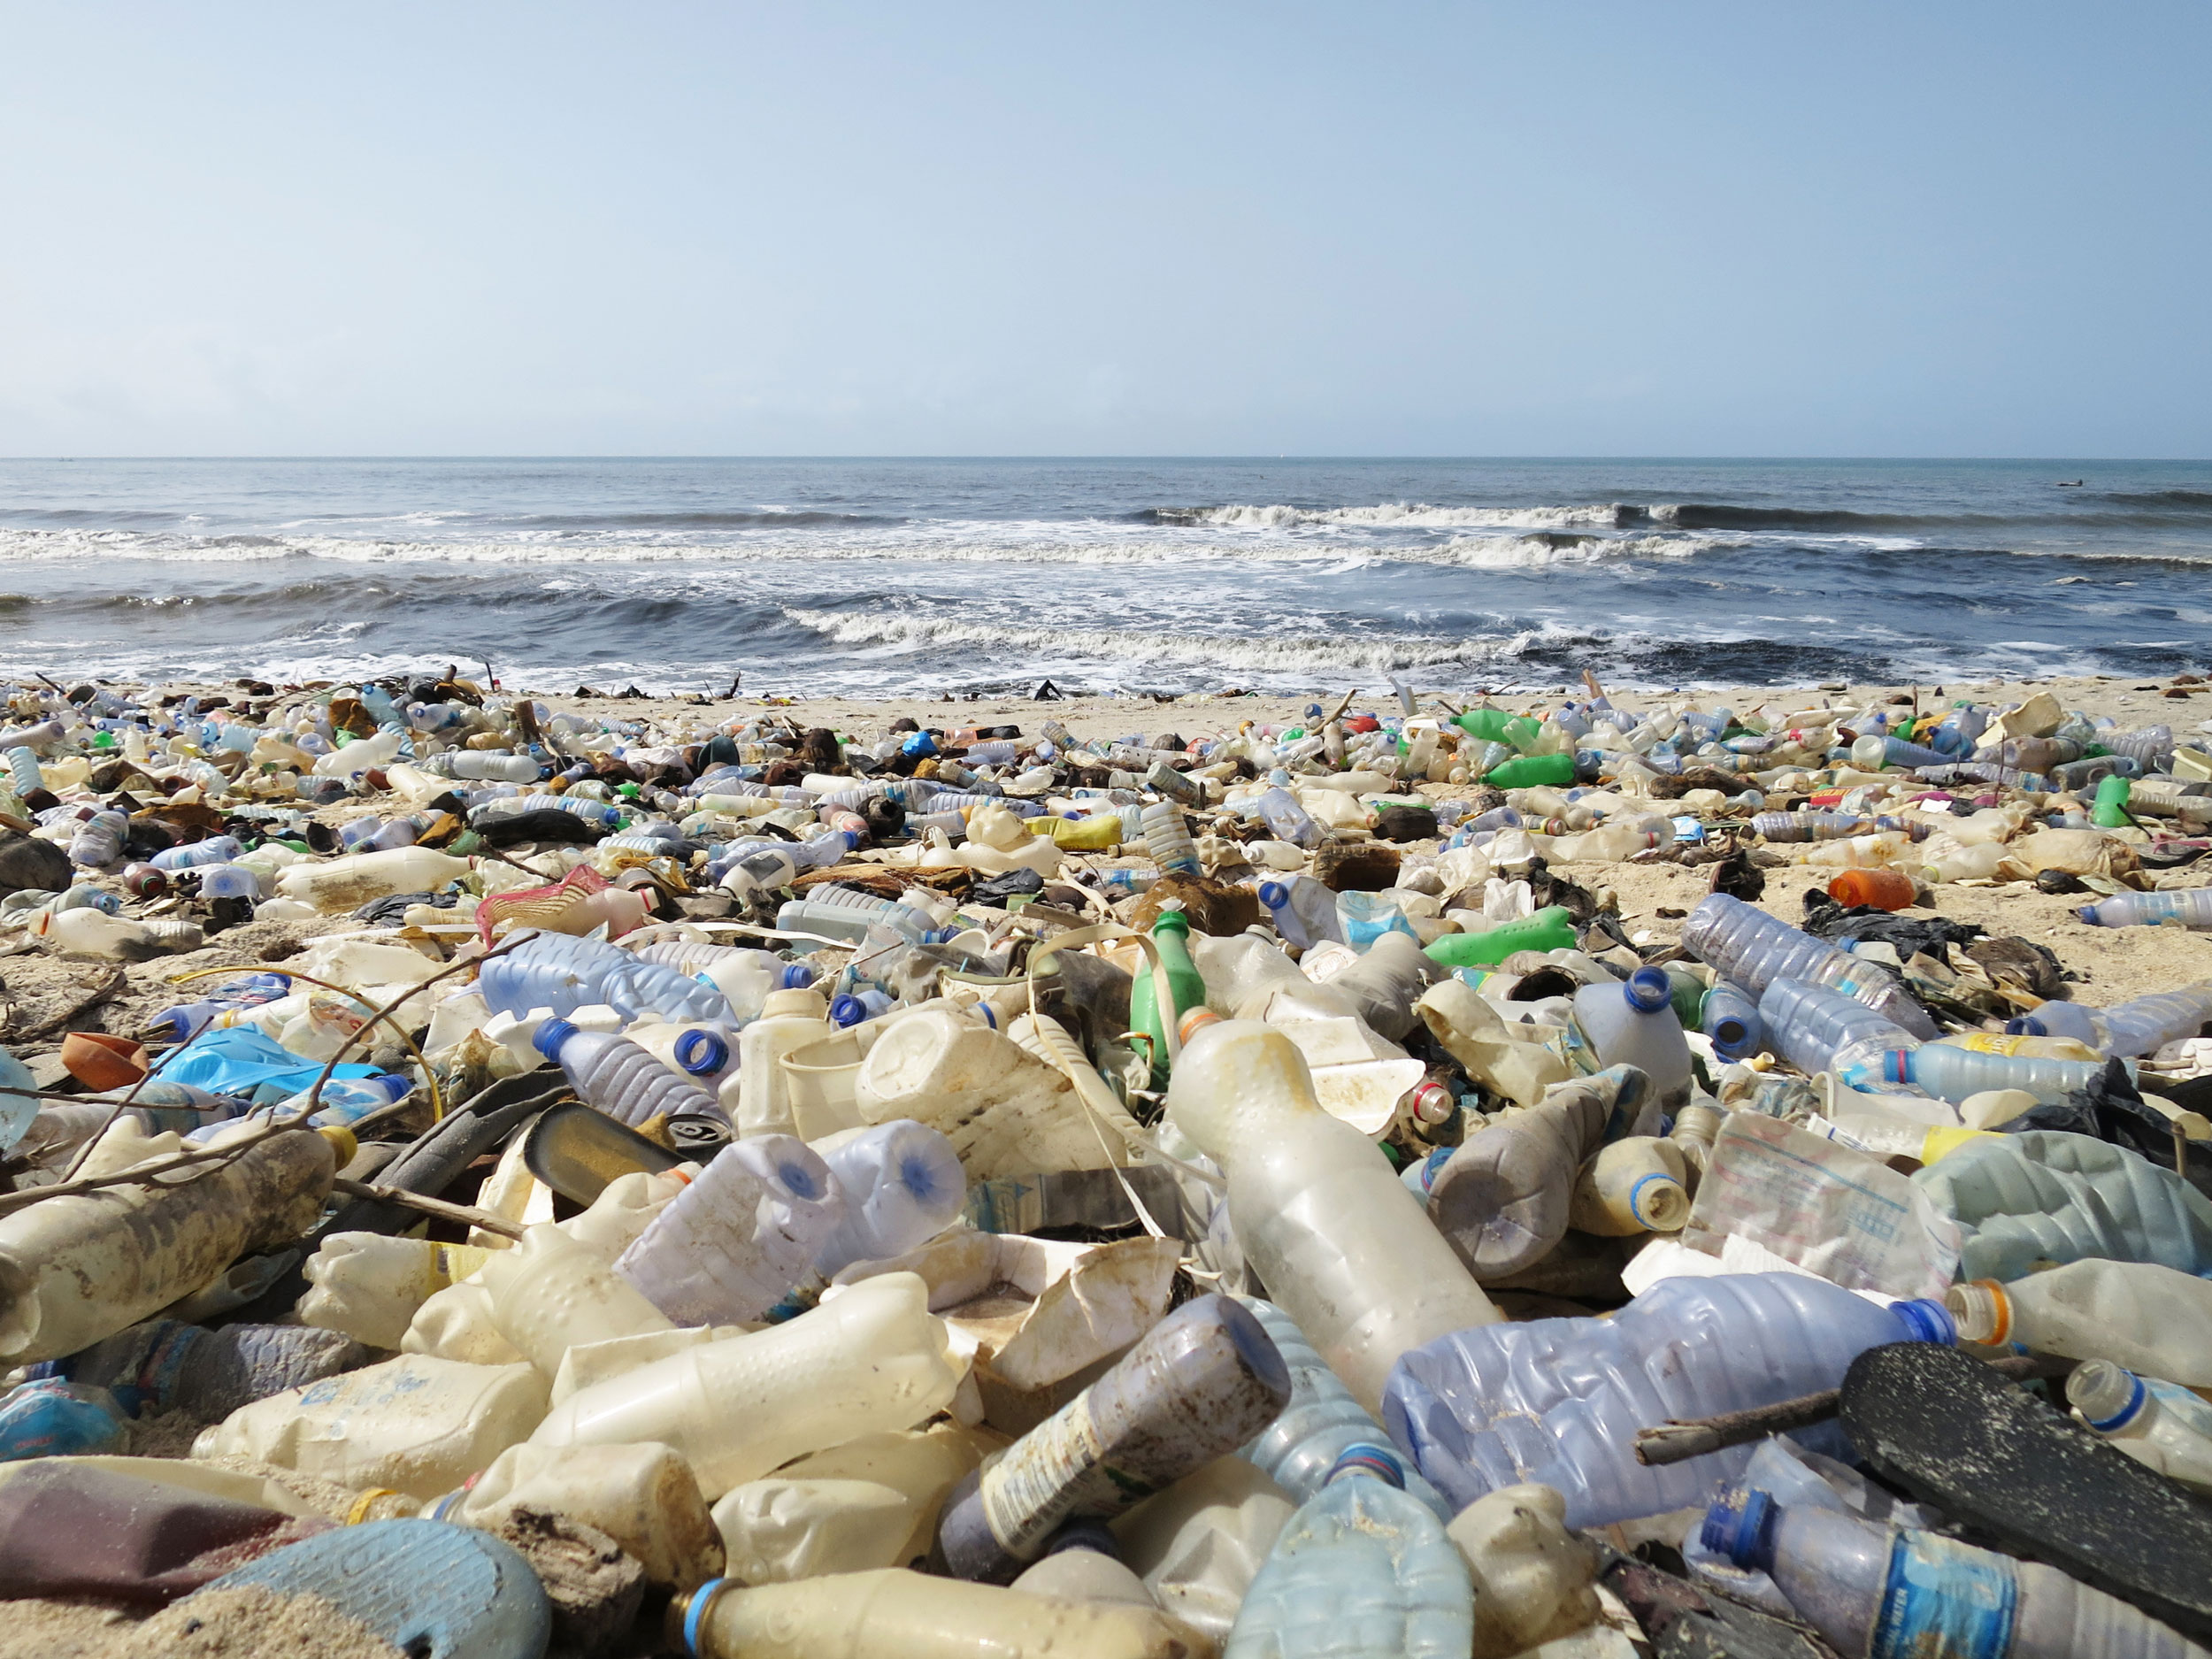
<point x="1682" y="229"/>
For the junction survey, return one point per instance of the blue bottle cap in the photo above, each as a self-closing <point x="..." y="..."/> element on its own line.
<point x="1367" y="1458"/>
<point x="550" y="1036"/>
<point x="1927" y="1321"/>
<point x="1649" y="989"/>
<point x="702" y="1052"/>
<point x="2025" y="1025"/>
<point x="796" y="976"/>
<point x="847" y="1011"/>
<point x="1741" y="1527"/>
<point x="1274" y="894"/>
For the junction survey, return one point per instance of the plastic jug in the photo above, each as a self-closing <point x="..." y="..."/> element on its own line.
<point x="1634" y="1023"/>
<point x="739" y="1236"/>
<point x="871" y="1358"/>
<point x="371" y="1287"/>
<point x="1199" y="1384"/>
<point x="1376" y="1558"/>
<point x="1322" y="1217"/>
<point x="903" y="1184"/>
<point x="789" y="1021"/>
<point x="1871" y="1589"/>
<point x="2160" y="1424"/>
<point x="549" y="1294"/>
<point x="1171" y="936"/>
<point x="1559" y="1401"/>
<point x="2042" y="1195"/>
<point x="2137" y="1314"/>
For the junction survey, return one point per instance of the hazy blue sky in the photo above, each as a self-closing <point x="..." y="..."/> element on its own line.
<point x="1542" y="228"/>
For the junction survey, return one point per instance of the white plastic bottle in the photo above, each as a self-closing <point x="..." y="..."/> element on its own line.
<point x="371" y="1287"/>
<point x="85" y="932"/>
<point x="871" y="1358"/>
<point x="739" y="1237"/>
<point x="549" y="1294"/>
<point x="1636" y="1185"/>
<point x="2160" y="1424"/>
<point x="336" y="886"/>
<point x="1634" y="1023"/>
<point x="1340" y="1245"/>
<point x="789" y="1021"/>
<point x="2137" y="1314"/>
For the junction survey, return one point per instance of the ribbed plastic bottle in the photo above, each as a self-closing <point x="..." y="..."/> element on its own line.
<point x="2160" y="1424"/>
<point x="1953" y="1074"/>
<point x="622" y="1079"/>
<point x="1817" y="1028"/>
<point x="1373" y="1562"/>
<point x="739" y="1236"/>
<point x="1730" y="1019"/>
<point x="1321" y="1422"/>
<point x="1634" y="1023"/>
<point x="555" y="972"/>
<point x="1894" y="1593"/>
<point x="2139" y="1026"/>
<point x="1344" y="1248"/>
<point x="1194" y="1387"/>
<point x="1560" y="1401"/>
<point x="2192" y="907"/>
<point x="2137" y="1314"/>
<point x="99" y="842"/>
<point x="1167" y="839"/>
<point x="1754" y="949"/>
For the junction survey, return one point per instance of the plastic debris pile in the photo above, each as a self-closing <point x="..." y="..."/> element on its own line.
<point x="546" y="1183"/>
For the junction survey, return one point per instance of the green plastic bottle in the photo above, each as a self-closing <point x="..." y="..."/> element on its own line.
<point x="1524" y="771"/>
<point x="1171" y="936"/>
<point x="1495" y="725"/>
<point x="2111" y="809"/>
<point x="1549" y="929"/>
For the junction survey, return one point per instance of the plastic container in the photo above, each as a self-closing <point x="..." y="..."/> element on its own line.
<point x="1730" y="1020"/>
<point x="893" y="1611"/>
<point x="2140" y="1026"/>
<point x="903" y="1184"/>
<point x="1198" y="1385"/>
<point x="1882" y="890"/>
<point x="1870" y="1589"/>
<point x="1957" y="1074"/>
<point x="1754" y="949"/>
<point x="2137" y="1314"/>
<point x="1817" y="1028"/>
<point x="1376" y="1558"/>
<point x="554" y="971"/>
<point x="739" y="1236"/>
<point x="2039" y="1196"/>
<point x="622" y="1079"/>
<point x="1304" y="910"/>
<point x="2160" y="1424"/>
<point x="370" y="1287"/>
<point x="1634" y="1186"/>
<point x="549" y="1294"/>
<point x="1345" y="1250"/>
<point x="1559" y="1402"/>
<point x="871" y="1358"/>
<point x="1171" y="936"/>
<point x="2192" y="907"/>
<point x="1548" y="929"/>
<point x="1634" y="1023"/>
<point x="1167" y="839"/>
<point x="789" y="1021"/>
<point x="337" y="885"/>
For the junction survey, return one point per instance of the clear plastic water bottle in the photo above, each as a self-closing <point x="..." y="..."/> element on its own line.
<point x="1754" y="949"/>
<point x="1560" y="1401"/>
<point x="250" y="990"/>
<point x="902" y="1186"/>
<point x="1304" y="910"/>
<point x="2160" y="1424"/>
<point x="2140" y="1026"/>
<point x="1953" y="1074"/>
<point x="1363" y="1570"/>
<point x="1289" y="821"/>
<point x="622" y="1079"/>
<point x="216" y="850"/>
<point x="1816" y="1028"/>
<point x="2192" y="907"/>
<point x="23" y="770"/>
<point x="731" y="1245"/>
<point x="1878" y="1590"/>
<point x="99" y="842"/>
<point x="1167" y="838"/>
<point x="1730" y="1019"/>
<point x="553" y="970"/>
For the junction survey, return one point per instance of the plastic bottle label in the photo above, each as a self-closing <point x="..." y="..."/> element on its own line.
<point x="1945" y="1600"/>
<point x="1027" y="1493"/>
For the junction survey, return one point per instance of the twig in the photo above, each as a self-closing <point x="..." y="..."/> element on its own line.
<point x="488" y="1220"/>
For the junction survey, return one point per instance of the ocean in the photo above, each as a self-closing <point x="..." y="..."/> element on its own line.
<point x="877" y="577"/>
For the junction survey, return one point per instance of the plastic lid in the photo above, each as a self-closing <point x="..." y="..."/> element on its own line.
<point x="2025" y="1025"/>
<point x="1649" y="989"/>
<point x="805" y="1004"/>
<point x="549" y="1038"/>
<point x="1926" y="1321"/>
<point x="847" y="1011"/>
<point x="1274" y="894"/>
<point x="2108" y="1397"/>
<point x="796" y="976"/>
<point x="1741" y="1527"/>
<point x="702" y="1052"/>
<point x="1367" y="1458"/>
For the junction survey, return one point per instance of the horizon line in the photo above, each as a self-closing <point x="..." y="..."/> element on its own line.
<point x="2040" y="460"/>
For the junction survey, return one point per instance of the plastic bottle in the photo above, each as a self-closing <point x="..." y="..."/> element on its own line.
<point x="621" y="1080"/>
<point x="1196" y="1386"/>
<point x="1634" y="1023"/>
<point x="832" y="916"/>
<point x="1321" y="1423"/>
<point x="1167" y="838"/>
<point x="369" y="1286"/>
<point x="902" y="1186"/>
<point x="871" y="1358"/>
<point x="90" y="933"/>
<point x="741" y="1235"/>
<point x="555" y="971"/>
<point x="2160" y="1424"/>
<point x="1730" y="1019"/>
<point x="99" y="841"/>
<point x="337" y="885"/>
<point x="1559" y="1401"/>
<point x="789" y="1021"/>
<point x="1817" y="1028"/>
<point x="216" y="850"/>
<point x="2137" y="1314"/>
<point x="1883" y="889"/>
<point x="1289" y="821"/>
<point x="2038" y="1196"/>
<point x="2140" y="1026"/>
<point x="1754" y="949"/>
<point x="1171" y="936"/>
<point x="163" y="1364"/>
<point x="2192" y="907"/>
<point x="49" y="1417"/>
<point x="549" y="1293"/>
<point x="1955" y="1074"/>
<point x="1551" y="928"/>
<point x="705" y="1054"/>
<point x="1344" y="1248"/>
<point x="1304" y="910"/>
<point x="1365" y="917"/>
<point x="1872" y="1589"/>
<point x="1525" y="772"/>
<point x="643" y="1497"/>
<point x="1634" y="1186"/>
<point x="893" y="1611"/>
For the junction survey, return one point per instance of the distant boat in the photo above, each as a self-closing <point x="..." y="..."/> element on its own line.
<point x="2067" y="483"/>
